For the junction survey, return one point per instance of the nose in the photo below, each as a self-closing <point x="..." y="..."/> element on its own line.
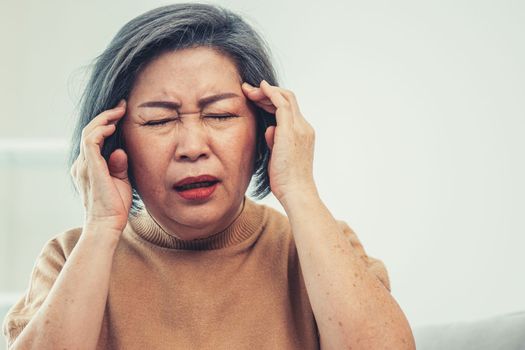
<point x="192" y="143"/>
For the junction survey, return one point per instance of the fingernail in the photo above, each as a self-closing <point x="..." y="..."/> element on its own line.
<point x="121" y="103"/>
<point x="247" y="86"/>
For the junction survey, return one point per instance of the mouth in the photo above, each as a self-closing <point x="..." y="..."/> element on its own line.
<point x="190" y="183"/>
<point x="199" y="187"/>
<point x="194" y="185"/>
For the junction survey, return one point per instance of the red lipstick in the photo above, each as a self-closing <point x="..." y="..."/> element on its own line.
<point x="196" y="188"/>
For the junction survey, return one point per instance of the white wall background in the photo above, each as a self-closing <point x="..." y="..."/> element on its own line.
<point x="419" y="112"/>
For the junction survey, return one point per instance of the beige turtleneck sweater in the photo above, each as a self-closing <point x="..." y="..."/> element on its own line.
<point x="238" y="289"/>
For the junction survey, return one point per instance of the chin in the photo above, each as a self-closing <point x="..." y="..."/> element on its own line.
<point x="194" y="220"/>
<point x="197" y="217"/>
<point x="197" y="220"/>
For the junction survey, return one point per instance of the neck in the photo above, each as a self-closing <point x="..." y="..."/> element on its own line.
<point x="188" y="232"/>
<point x="241" y="227"/>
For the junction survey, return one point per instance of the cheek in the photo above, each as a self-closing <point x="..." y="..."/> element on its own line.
<point x="148" y="156"/>
<point x="243" y="150"/>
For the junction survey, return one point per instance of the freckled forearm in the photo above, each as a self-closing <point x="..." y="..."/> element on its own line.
<point x="72" y="313"/>
<point x="351" y="305"/>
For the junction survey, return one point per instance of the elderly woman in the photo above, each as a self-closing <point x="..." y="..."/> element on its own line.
<point x="172" y="254"/>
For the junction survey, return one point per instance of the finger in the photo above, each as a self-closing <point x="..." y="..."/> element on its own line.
<point x="258" y="97"/>
<point x="79" y="175"/>
<point x="297" y="118"/>
<point x="284" y="112"/>
<point x="92" y="145"/>
<point x="289" y="96"/>
<point x="254" y="93"/>
<point x="268" y="108"/>
<point x="79" y="163"/>
<point x="73" y="171"/>
<point x="118" y="164"/>
<point x="110" y="116"/>
<point x="269" y="136"/>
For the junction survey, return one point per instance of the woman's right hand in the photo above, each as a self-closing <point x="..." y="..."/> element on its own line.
<point x="104" y="187"/>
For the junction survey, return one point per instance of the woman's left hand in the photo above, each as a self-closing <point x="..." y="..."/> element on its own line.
<point x="291" y="141"/>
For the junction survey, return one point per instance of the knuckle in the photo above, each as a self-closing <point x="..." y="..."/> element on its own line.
<point x="310" y="128"/>
<point x="101" y="117"/>
<point x="91" y="138"/>
<point x="80" y="169"/>
<point x="289" y="93"/>
<point x="83" y="179"/>
<point x="286" y="104"/>
<point x="88" y="139"/>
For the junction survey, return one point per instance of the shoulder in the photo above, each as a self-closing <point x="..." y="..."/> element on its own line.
<point x="66" y="240"/>
<point x="61" y="244"/>
<point x="56" y="250"/>
<point x="45" y="271"/>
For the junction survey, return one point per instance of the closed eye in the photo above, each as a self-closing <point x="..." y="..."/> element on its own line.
<point x="159" y="122"/>
<point x="220" y="116"/>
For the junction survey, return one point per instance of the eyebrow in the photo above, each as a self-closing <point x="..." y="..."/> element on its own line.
<point x="202" y="102"/>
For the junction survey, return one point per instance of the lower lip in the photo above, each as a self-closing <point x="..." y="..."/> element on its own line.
<point x="197" y="193"/>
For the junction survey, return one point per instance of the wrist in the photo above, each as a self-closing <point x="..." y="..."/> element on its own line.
<point x="100" y="241"/>
<point x="299" y="198"/>
<point x="101" y="233"/>
<point x="114" y="224"/>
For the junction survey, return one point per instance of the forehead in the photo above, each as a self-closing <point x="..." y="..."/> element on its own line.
<point x="187" y="73"/>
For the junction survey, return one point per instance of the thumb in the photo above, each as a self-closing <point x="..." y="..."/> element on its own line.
<point x="118" y="164"/>
<point x="268" y="135"/>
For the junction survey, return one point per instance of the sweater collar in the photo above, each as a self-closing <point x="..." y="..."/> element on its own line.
<point x="246" y="224"/>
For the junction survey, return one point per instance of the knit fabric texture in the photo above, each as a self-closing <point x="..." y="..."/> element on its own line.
<point x="241" y="288"/>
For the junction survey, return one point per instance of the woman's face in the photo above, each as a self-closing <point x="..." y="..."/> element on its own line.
<point x="190" y="136"/>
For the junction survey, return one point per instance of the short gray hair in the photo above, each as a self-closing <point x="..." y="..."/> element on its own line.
<point x="170" y="28"/>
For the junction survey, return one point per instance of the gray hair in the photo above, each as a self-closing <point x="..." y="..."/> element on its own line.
<point x="170" y="28"/>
